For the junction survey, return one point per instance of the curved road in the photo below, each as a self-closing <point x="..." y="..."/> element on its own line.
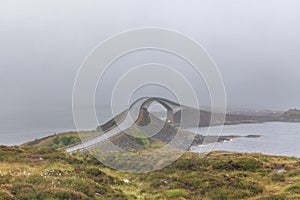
<point x="132" y="115"/>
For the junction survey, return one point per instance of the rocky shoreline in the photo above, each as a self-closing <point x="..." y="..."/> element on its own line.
<point x="199" y="139"/>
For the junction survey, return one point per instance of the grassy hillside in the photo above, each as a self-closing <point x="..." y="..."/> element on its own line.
<point x="44" y="173"/>
<point x="59" y="140"/>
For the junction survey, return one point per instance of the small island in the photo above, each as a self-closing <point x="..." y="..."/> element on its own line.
<point x="292" y="115"/>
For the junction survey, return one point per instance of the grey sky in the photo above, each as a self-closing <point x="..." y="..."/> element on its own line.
<point x="255" y="44"/>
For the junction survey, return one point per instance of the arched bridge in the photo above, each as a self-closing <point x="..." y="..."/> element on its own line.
<point x="126" y="120"/>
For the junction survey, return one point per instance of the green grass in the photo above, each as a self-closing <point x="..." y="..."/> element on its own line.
<point x="45" y="173"/>
<point x="59" y="140"/>
<point x="278" y="177"/>
<point x="295" y="173"/>
<point x="294" y="188"/>
<point x="176" y="193"/>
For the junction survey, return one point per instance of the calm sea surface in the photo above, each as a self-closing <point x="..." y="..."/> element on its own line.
<point x="277" y="138"/>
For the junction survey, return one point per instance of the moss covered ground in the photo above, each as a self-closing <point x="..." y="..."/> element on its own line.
<point x="46" y="173"/>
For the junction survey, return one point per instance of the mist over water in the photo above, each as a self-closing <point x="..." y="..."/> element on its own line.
<point x="254" y="43"/>
<point x="18" y="126"/>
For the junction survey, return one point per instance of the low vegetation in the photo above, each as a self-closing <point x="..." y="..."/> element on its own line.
<point x="59" y="140"/>
<point x="292" y="115"/>
<point x="45" y="173"/>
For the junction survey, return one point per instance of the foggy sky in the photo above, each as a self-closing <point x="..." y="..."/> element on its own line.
<point x="255" y="44"/>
